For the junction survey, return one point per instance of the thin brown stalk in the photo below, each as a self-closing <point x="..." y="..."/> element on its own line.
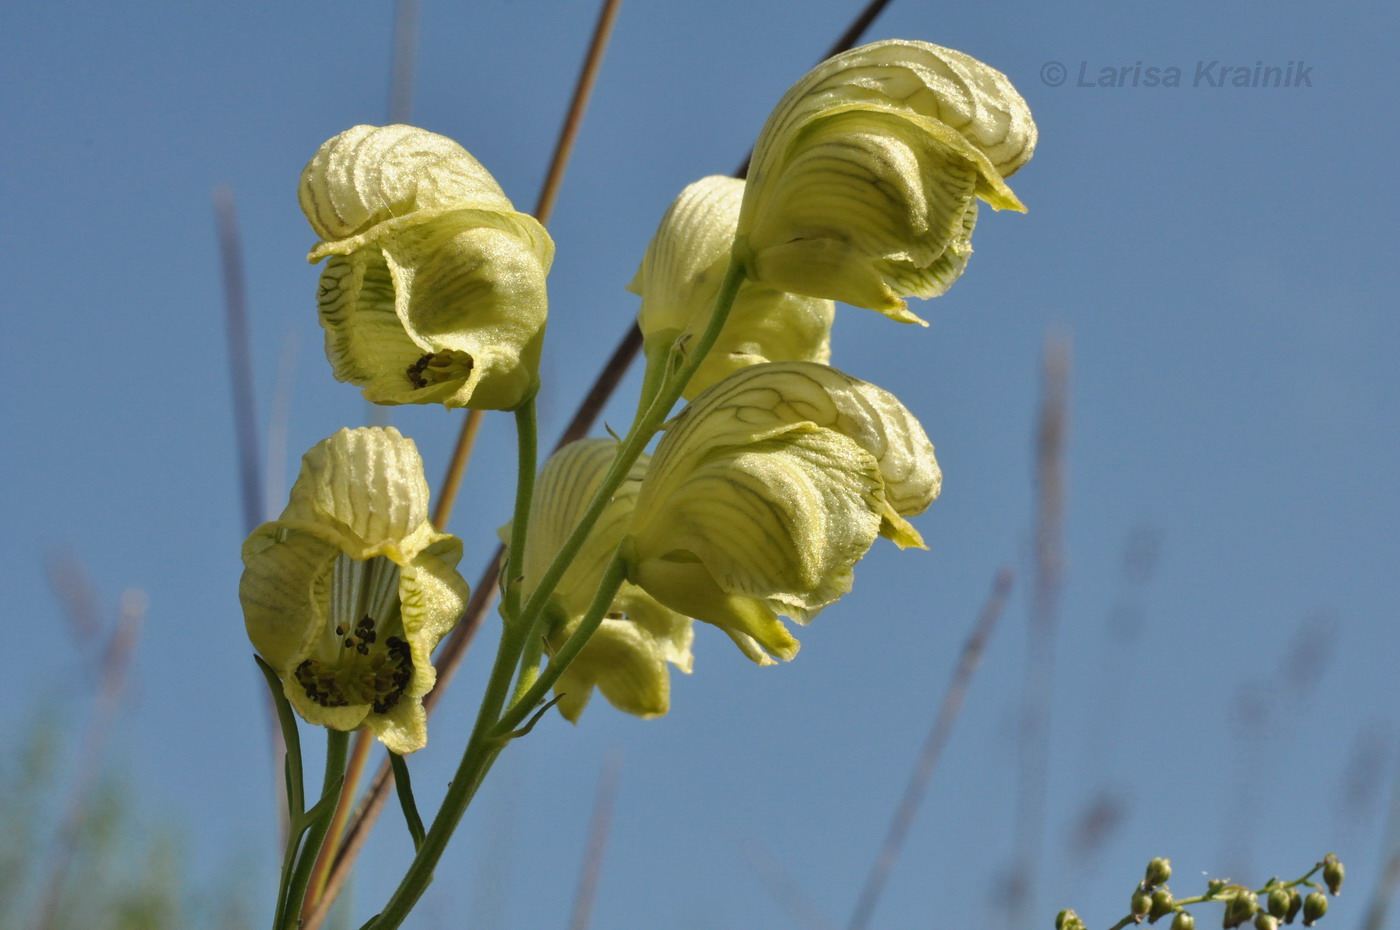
<point x="456" y="469"/>
<point x="544" y="208"/>
<point x="1383" y="894"/>
<point x="1040" y="663"/>
<point x="573" y="118"/>
<point x="932" y="751"/>
<point x="116" y="660"/>
<point x="847" y="40"/>
<point x="597" y="842"/>
<point x="784" y="888"/>
<point x="69" y="582"/>
<point x="359" y="755"/>
<point x="404" y="61"/>
<point x="455" y="646"/>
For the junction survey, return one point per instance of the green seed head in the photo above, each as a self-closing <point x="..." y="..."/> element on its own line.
<point x="1314" y="906"/>
<point x="1159" y="871"/>
<point x="1240" y="906"/>
<point x="1295" y="904"/>
<point x="1332" y="873"/>
<point x="1162" y="904"/>
<point x="1141" y="905"/>
<point x="1068" y="920"/>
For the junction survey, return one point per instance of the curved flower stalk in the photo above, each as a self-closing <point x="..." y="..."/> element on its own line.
<point x="680" y="276"/>
<point x="626" y="658"/>
<point x="434" y="288"/>
<point x="346" y="594"/>
<point x="766" y="491"/>
<point x="865" y="180"/>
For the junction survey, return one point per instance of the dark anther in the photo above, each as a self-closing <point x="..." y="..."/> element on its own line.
<point x="415" y="371"/>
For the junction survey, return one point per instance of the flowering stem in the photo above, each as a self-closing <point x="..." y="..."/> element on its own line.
<point x="492" y="730"/>
<point x="483" y="748"/>
<point x="612" y="579"/>
<point x="476" y="761"/>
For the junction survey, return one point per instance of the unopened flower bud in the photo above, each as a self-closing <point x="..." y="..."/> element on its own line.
<point x="1240" y="906"/>
<point x="1214" y="886"/>
<point x="1159" y="871"/>
<point x="1314" y="906"/>
<point x="1332" y="873"/>
<point x="1266" y="922"/>
<point x="1183" y="921"/>
<point x="1162" y="905"/>
<point x="1279" y="900"/>
<point x="1141" y="905"/>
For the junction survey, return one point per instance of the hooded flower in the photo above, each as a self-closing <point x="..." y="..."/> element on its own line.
<point x="347" y="593"/>
<point x="680" y="278"/>
<point x="865" y="179"/>
<point x="766" y="491"/>
<point x="626" y="658"/>
<point x="434" y="288"/>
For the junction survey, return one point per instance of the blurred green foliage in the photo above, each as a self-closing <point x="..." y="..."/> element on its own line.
<point x="79" y="858"/>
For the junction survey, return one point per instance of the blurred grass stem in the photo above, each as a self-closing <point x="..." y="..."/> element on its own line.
<point x="1034" y="740"/>
<point x="932" y="751"/>
<point x="598" y="828"/>
<point x="116" y="661"/>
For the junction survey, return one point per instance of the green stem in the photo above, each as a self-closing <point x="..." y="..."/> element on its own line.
<point x="481" y="753"/>
<point x="527" y="449"/>
<point x="292" y="777"/>
<point x="612" y="579"/>
<point x="316" y="822"/>
<point x="532" y="649"/>
<point x="652" y="378"/>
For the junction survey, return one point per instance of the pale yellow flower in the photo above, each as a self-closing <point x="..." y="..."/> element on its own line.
<point x="347" y="593"/>
<point x="765" y="492"/>
<point x="434" y="288"/>
<point x="627" y="657"/>
<point x="679" y="279"/>
<point x="865" y="179"/>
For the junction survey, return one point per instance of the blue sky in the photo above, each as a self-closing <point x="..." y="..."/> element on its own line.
<point x="1221" y="260"/>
